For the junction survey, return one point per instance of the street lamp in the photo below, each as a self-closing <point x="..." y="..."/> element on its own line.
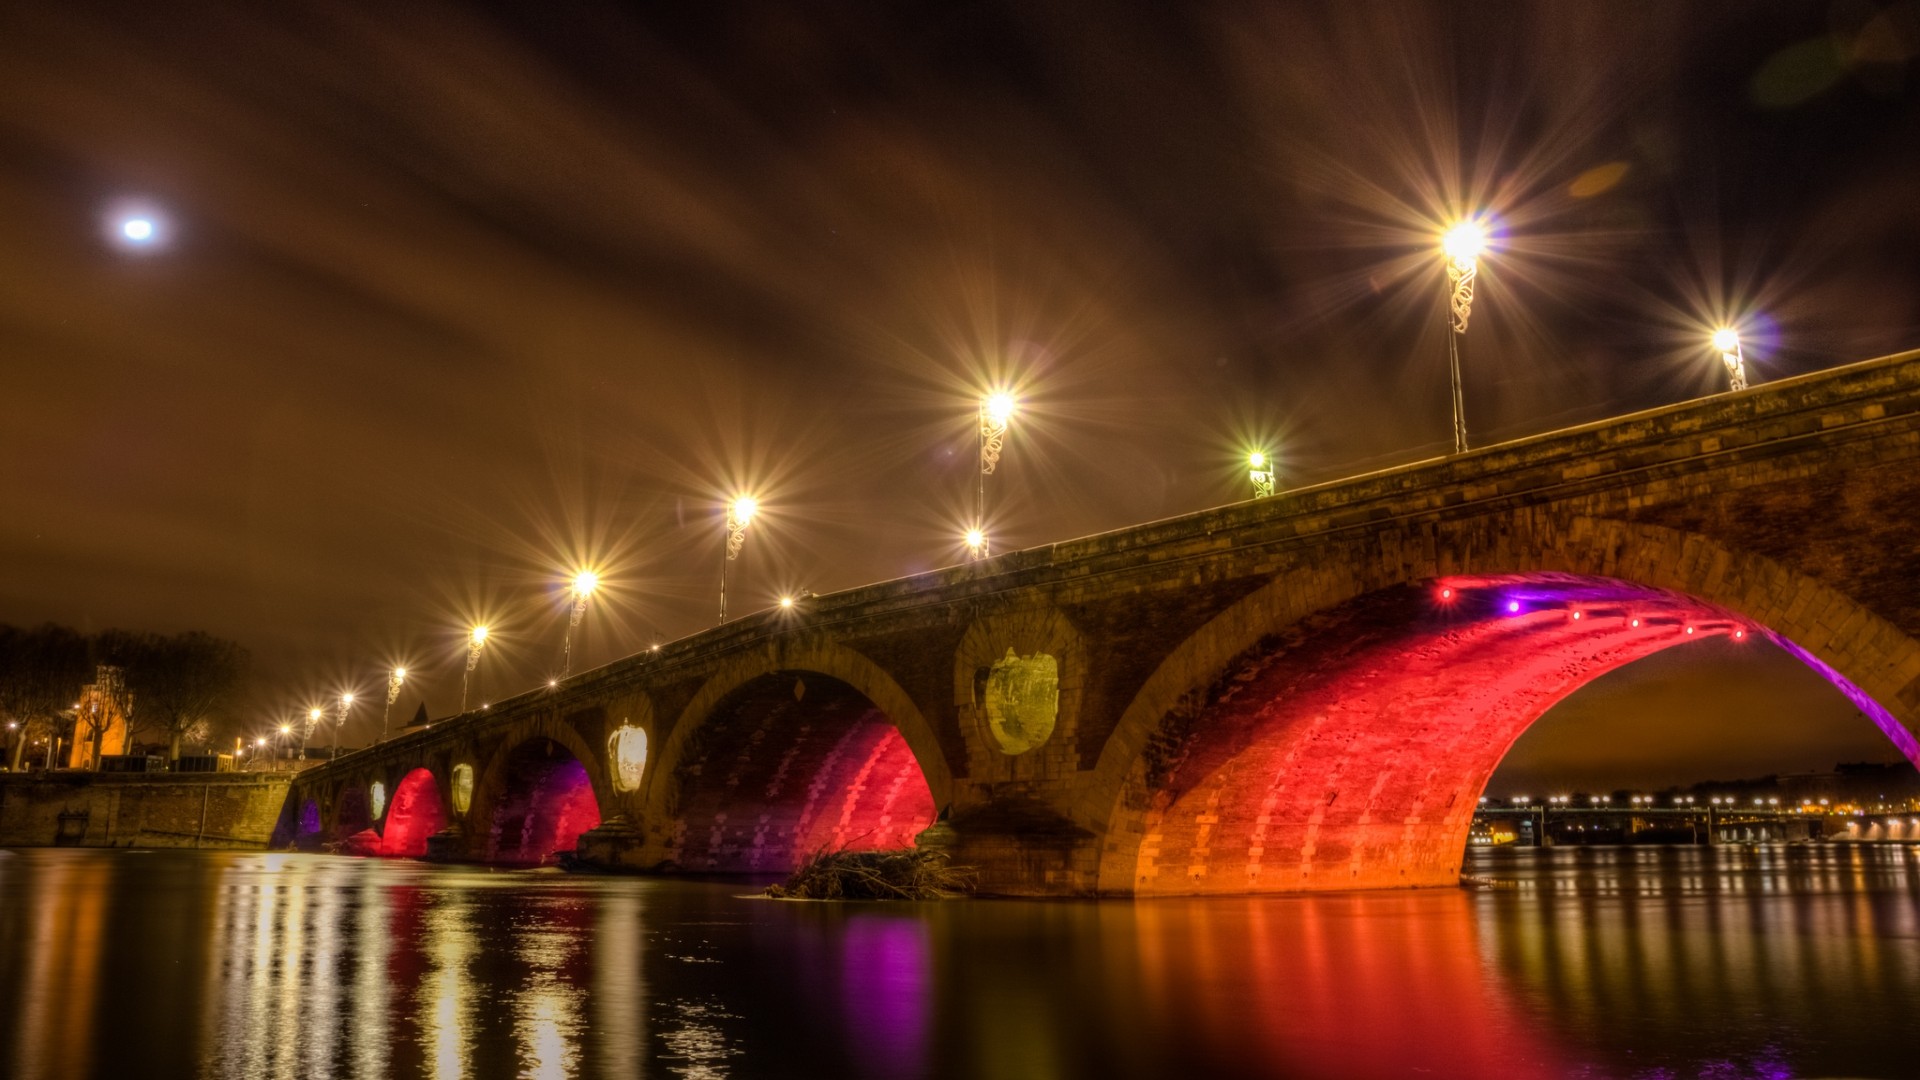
<point x="740" y="514"/>
<point x="395" y="678"/>
<point x="1726" y="341"/>
<point x="996" y="411"/>
<point x="582" y="587"/>
<point x="340" y="721"/>
<point x="476" y="640"/>
<point x="1463" y="245"/>
<point x="1260" y="471"/>
<point x="306" y="732"/>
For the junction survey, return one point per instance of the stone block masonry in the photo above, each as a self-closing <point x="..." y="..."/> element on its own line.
<point x="225" y="811"/>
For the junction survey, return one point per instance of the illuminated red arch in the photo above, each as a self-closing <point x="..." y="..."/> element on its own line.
<point x="1348" y="749"/>
<point x="414" y="814"/>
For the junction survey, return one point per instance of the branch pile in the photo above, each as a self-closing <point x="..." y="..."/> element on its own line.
<point x="875" y="875"/>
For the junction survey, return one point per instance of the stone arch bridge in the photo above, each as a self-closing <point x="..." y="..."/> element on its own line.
<point x="1302" y="692"/>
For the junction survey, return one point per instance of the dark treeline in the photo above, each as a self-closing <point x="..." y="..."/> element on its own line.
<point x="175" y="689"/>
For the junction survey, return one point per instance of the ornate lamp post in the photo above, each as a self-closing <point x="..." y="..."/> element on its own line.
<point x="476" y="640"/>
<point x="582" y="588"/>
<point x="1726" y="341"/>
<point x="1260" y="471"/>
<point x="340" y="721"/>
<point x="306" y="732"/>
<point x="996" y="410"/>
<point x="1463" y="245"/>
<point x="739" y="515"/>
<point x="395" y="679"/>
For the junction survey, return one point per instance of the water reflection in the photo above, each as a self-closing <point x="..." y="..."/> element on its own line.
<point x="1588" y="962"/>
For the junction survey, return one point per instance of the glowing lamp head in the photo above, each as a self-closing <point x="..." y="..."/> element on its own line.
<point x="1257" y="460"/>
<point x="553" y="682"/>
<point x="744" y="508"/>
<point x="260" y="741"/>
<point x="1464" y="242"/>
<point x="313" y="714"/>
<point x="1725" y="339"/>
<point x="786" y="601"/>
<point x="286" y="729"/>
<point x="346" y="699"/>
<point x="399" y="674"/>
<point x="138" y="230"/>
<point x="975" y="538"/>
<point x="1513" y="607"/>
<point x="999" y="407"/>
<point x="479" y="636"/>
<point x="585" y="582"/>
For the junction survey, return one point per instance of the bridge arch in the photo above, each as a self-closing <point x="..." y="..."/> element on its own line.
<point x="789" y="750"/>
<point x="1328" y="731"/>
<point x="415" y="811"/>
<point x="538" y="793"/>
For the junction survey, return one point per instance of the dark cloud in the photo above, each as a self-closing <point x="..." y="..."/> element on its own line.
<point x="457" y="296"/>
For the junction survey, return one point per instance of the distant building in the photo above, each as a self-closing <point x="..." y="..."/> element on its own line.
<point x="102" y="711"/>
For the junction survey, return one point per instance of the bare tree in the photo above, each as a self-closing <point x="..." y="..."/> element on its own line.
<point x="41" y="673"/>
<point x="182" y="681"/>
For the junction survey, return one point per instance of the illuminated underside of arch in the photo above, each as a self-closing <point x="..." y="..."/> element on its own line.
<point x="1350" y="749"/>
<point x="791" y="764"/>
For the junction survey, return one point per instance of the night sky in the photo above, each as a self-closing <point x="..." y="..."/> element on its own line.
<point x="448" y="301"/>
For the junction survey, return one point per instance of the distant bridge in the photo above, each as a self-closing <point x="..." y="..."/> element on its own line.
<point x="1307" y="691"/>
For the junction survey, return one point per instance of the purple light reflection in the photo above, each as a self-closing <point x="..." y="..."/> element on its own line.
<point x="887" y="988"/>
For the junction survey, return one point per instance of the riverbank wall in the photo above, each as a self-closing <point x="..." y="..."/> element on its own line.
<point x="220" y="811"/>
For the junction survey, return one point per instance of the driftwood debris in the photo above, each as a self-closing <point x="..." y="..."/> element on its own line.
<point x="875" y="875"/>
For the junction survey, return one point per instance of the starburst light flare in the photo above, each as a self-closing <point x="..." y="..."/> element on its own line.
<point x="1727" y="342"/>
<point x="976" y="540"/>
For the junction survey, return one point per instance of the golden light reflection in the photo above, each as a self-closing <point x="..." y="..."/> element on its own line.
<point x="443" y="996"/>
<point x="547" y="1009"/>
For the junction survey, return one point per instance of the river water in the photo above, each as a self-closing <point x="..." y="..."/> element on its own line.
<point x="1592" y="962"/>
